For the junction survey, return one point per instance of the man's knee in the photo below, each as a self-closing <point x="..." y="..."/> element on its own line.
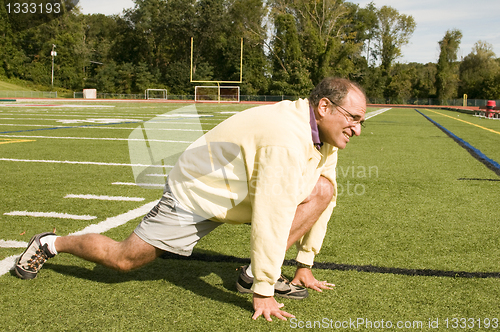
<point x="124" y="265"/>
<point x="133" y="253"/>
<point x="323" y="191"/>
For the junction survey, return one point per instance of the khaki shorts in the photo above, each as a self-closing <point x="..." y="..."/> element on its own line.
<point x="171" y="228"/>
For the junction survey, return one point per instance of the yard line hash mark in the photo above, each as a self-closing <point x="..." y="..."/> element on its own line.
<point x="50" y="215"/>
<point x="139" y="184"/>
<point x="81" y="163"/>
<point x="106" y="198"/>
<point x="98" y="138"/>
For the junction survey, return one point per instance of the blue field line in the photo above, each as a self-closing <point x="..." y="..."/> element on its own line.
<point x="476" y="153"/>
<point x="69" y="127"/>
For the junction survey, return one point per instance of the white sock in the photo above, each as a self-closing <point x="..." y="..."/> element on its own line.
<point x="249" y="270"/>
<point x="50" y="240"/>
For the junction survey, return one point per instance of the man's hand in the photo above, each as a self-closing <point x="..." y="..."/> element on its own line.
<point x="267" y="307"/>
<point x="304" y="277"/>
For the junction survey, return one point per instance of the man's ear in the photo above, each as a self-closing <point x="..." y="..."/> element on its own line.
<point x="323" y="107"/>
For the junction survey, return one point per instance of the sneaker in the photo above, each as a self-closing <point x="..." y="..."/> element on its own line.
<point x="33" y="258"/>
<point x="282" y="287"/>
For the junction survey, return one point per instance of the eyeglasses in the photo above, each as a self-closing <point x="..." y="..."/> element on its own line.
<point x="351" y="117"/>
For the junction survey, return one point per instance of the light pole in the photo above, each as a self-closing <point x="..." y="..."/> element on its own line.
<point x="53" y="54"/>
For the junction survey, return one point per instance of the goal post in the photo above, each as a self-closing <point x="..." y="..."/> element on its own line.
<point x="217" y="93"/>
<point x="155" y="94"/>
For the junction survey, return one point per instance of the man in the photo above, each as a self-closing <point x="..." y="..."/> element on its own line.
<point x="272" y="166"/>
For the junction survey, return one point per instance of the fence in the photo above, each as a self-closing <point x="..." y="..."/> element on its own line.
<point x="431" y="102"/>
<point x="261" y="98"/>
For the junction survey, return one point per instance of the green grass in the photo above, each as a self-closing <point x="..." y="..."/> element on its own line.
<point x="404" y="206"/>
<point x="5" y="86"/>
<point x="14" y="84"/>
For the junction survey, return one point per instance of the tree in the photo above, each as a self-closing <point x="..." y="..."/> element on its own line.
<point x="447" y="68"/>
<point x="365" y="26"/>
<point x="325" y="36"/>
<point x="100" y="36"/>
<point x="373" y="82"/>
<point x="289" y="75"/>
<point x="424" y="80"/>
<point x="399" y="89"/>
<point x="479" y="71"/>
<point x="12" y="57"/>
<point x="180" y="20"/>
<point x="394" y="31"/>
<point x="67" y="33"/>
<point x="106" y="77"/>
<point x="143" y="79"/>
<point x="248" y="17"/>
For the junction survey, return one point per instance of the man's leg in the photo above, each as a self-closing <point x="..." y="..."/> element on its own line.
<point x="309" y="211"/>
<point x="127" y="255"/>
<point x="123" y="256"/>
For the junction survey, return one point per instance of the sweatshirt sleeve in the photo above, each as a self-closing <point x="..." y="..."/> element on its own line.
<point x="310" y="244"/>
<point x="274" y="193"/>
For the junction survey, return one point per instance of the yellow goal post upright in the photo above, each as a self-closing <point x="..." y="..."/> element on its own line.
<point x="233" y="92"/>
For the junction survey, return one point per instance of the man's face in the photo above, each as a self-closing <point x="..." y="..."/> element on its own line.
<point x="336" y="125"/>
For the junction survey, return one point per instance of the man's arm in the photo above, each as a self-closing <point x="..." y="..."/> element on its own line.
<point x="274" y="198"/>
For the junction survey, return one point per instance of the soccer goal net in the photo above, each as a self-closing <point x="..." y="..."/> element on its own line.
<point x="217" y="93"/>
<point x="155" y="94"/>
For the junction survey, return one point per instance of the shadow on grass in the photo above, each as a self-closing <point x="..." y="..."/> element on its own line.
<point x="190" y="273"/>
<point x="183" y="272"/>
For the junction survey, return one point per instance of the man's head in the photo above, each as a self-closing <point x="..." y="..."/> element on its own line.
<point x="339" y="106"/>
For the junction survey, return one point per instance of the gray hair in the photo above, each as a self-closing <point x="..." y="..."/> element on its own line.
<point x="333" y="88"/>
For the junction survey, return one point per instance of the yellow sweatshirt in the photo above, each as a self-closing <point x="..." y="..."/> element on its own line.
<point x="257" y="167"/>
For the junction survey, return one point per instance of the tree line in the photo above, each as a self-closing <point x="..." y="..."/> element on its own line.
<point x="289" y="46"/>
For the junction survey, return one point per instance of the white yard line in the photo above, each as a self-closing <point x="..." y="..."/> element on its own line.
<point x="50" y="215"/>
<point x="377" y="112"/>
<point x="149" y="129"/>
<point x="139" y="184"/>
<point x="12" y="244"/>
<point x="135" y="120"/>
<point x="28" y="125"/>
<point x="106" y="198"/>
<point x="47" y="119"/>
<point x="99" y="138"/>
<point x="119" y="220"/>
<point x="82" y="163"/>
<point x="57" y="106"/>
<point x="7" y="264"/>
<point x="186" y="115"/>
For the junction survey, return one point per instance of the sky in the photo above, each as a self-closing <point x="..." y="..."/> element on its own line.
<point x="476" y="19"/>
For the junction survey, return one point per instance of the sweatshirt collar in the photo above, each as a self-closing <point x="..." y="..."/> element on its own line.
<point x="314" y="129"/>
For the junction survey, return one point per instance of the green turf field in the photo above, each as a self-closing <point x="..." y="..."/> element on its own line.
<point x="414" y="240"/>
